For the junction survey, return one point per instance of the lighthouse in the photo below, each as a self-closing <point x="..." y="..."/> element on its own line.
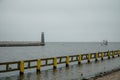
<point x="42" y="39"/>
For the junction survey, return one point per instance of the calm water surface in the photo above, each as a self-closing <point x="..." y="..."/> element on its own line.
<point x="74" y="72"/>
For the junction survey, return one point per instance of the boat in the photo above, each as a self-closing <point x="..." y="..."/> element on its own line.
<point x="104" y="42"/>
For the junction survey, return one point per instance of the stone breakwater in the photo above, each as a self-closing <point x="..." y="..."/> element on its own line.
<point x="20" y="43"/>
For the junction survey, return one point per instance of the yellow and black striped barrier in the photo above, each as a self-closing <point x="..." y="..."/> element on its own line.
<point x="79" y="59"/>
<point x="102" y="56"/>
<point x="38" y="65"/>
<point x="21" y="67"/>
<point x="54" y="61"/>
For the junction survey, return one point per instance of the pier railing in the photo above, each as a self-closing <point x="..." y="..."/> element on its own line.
<point x="38" y="63"/>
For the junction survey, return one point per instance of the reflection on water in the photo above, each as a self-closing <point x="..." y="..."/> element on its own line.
<point x="73" y="72"/>
<point x="21" y="77"/>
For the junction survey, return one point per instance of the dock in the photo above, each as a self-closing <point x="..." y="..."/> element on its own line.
<point x="23" y="43"/>
<point x="20" y="43"/>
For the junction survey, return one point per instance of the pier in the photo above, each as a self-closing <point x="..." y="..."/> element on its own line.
<point x="23" y="43"/>
<point x="54" y="61"/>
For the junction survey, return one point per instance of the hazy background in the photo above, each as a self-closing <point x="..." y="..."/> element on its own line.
<point x="61" y="20"/>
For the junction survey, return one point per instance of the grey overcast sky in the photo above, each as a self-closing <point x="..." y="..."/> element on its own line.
<point x="61" y="20"/>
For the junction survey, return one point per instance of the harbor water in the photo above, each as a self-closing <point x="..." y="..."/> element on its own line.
<point x="52" y="49"/>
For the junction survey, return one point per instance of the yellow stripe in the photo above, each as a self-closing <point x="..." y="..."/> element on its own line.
<point x="38" y="64"/>
<point x="55" y="62"/>
<point x="22" y="66"/>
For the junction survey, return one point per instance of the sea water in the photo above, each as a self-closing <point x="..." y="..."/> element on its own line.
<point x="52" y="49"/>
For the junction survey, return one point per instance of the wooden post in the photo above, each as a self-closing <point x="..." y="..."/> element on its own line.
<point x="88" y="57"/>
<point x="102" y="56"/>
<point x="96" y="56"/>
<point x="113" y="54"/>
<point x="7" y="66"/>
<point x="79" y="59"/>
<point x="108" y="54"/>
<point x="67" y="61"/>
<point x="38" y="65"/>
<point x="21" y="67"/>
<point x="54" y="63"/>
<point x="118" y="53"/>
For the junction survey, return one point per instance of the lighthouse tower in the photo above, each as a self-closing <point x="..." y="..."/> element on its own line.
<point x="42" y="39"/>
